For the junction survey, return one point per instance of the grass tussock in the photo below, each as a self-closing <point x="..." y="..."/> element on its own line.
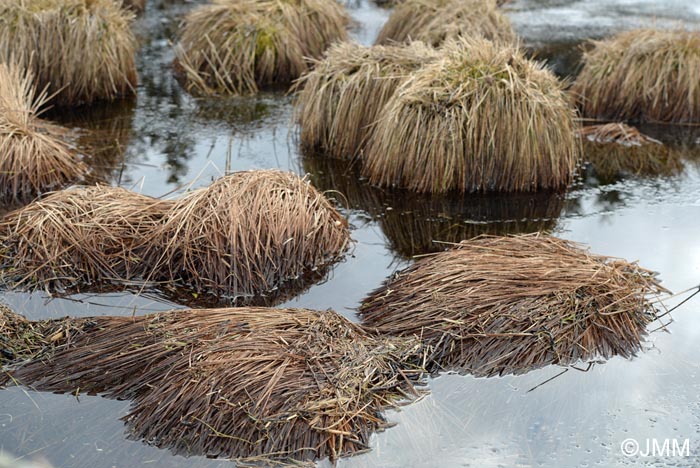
<point x="501" y="305"/>
<point x="248" y="383"/>
<point x="34" y="155"/>
<point x="79" y="50"/>
<point x="247" y="234"/>
<point x="237" y="46"/>
<point x="435" y="21"/>
<point x="481" y="118"/>
<point x="615" y="150"/>
<point x="340" y="98"/>
<point x="644" y="74"/>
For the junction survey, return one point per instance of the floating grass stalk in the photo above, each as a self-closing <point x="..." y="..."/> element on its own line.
<point x="340" y="98"/>
<point x="615" y="150"/>
<point x="34" y="154"/>
<point x="502" y="305"/>
<point x="434" y="21"/>
<point x="79" y="50"/>
<point x="482" y="118"/>
<point x="248" y="383"/>
<point x="237" y="46"/>
<point x="644" y="74"/>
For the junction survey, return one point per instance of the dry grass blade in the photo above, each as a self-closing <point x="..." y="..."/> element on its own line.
<point x="237" y="46"/>
<point x="645" y="74"/>
<point x="34" y="156"/>
<point x="341" y="97"/>
<point x="501" y="305"/>
<point x="434" y="21"/>
<point x="616" y="149"/>
<point x="79" y="50"/>
<point x="266" y="384"/>
<point x="482" y="118"/>
<point x="248" y="233"/>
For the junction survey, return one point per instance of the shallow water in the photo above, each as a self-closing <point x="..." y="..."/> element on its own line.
<point x="165" y="139"/>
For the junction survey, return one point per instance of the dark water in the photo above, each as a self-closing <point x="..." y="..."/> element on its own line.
<point x="165" y="139"/>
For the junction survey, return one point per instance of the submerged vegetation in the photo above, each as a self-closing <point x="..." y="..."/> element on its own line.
<point x="237" y="46"/>
<point x="247" y="383"/>
<point x="501" y="305"/>
<point x="34" y="155"/>
<point x="615" y="150"/>
<point x="79" y="50"/>
<point x="340" y="98"/>
<point x="481" y="118"/>
<point x="245" y="235"/>
<point x="435" y="21"/>
<point x="644" y="74"/>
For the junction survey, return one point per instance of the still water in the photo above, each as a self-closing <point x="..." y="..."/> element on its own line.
<point x="164" y="140"/>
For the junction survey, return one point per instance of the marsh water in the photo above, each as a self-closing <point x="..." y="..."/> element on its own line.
<point x="165" y="141"/>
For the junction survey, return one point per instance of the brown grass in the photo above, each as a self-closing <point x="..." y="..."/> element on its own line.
<point x="645" y="74"/>
<point x="249" y="383"/>
<point x="237" y="46"/>
<point x="248" y="233"/>
<point x="501" y="305"/>
<point x="79" y="50"/>
<point x="482" y="118"/>
<point x="615" y="150"/>
<point x="341" y="97"/>
<point x="435" y="21"/>
<point x="34" y="154"/>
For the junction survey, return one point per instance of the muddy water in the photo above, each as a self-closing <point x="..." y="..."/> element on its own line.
<point x="165" y="139"/>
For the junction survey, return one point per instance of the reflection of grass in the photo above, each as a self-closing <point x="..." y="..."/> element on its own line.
<point x="413" y="222"/>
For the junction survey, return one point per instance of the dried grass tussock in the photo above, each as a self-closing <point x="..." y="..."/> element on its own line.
<point x="245" y="235"/>
<point x="644" y="74"/>
<point x="237" y="46"/>
<point x="248" y="383"/>
<point x="434" y="21"/>
<point x="79" y="50"/>
<point x="340" y="98"/>
<point x="501" y="305"/>
<point x="482" y="118"/>
<point x="616" y="149"/>
<point x="248" y="233"/>
<point x="34" y="156"/>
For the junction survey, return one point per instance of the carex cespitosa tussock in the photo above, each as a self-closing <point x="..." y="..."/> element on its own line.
<point x="502" y="305"/>
<point x="644" y="74"/>
<point x="481" y="118"/>
<point x="259" y="384"/>
<point x="435" y="21"/>
<point x="79" y="50"/>
<point x="340" y="98"/>
<point x="237" y="46"/>
<point x="34" y="154"/>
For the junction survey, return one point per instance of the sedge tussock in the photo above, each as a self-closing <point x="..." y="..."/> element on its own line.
<point x="238" y="46"/>
<point x="481" y="118"/>
<point x="79" y="50"/>
<point x="435" y="21"/>
<point x="644" y="74"/>
<point x="34" y="154"/>
<point x="616" y="149"/>
<point x="502" y="305"/>
<point x="244" y="383"/>
<point x="341" y="96"/>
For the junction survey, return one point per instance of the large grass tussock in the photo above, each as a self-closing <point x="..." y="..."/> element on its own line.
<point x="645" y="74"/>
<point x="79" y="50"/>
<point x="500" y="305"/>
<point x="482" y="118"/>
<point x="435" y="21"/>
<point x="237" y="46"/>
<point x="340" y="98"/>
